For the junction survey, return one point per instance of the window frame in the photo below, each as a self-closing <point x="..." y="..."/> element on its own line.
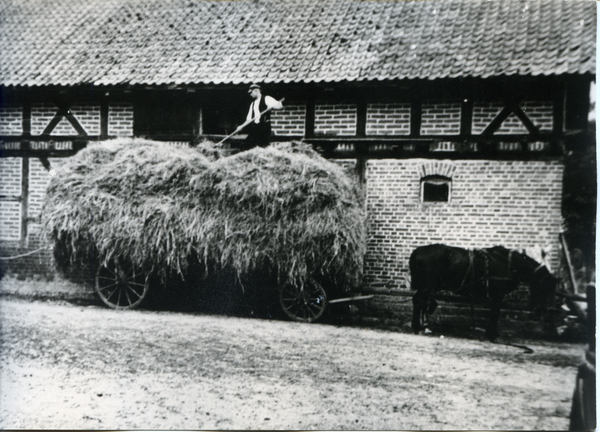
<point x="435" y="179"/>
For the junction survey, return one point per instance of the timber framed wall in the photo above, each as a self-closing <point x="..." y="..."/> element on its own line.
<point x="499" y="142"/>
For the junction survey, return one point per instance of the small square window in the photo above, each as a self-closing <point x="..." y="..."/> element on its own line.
<point x="435" y="189"/>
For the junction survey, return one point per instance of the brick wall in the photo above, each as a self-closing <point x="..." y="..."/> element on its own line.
<point x="289" y="121"/>
<point x="331" y="119"/>
<point x="42" y="114"/>
<point x="388" y="119"/>
<point x="335" y="119"/>
<point x="34" y="258"/>
<point x="440" y="118"/>
<point x="11" y="212"/>
<point x="120" y="119"/>
<point x="539" y="112"/>
<point x="10" y="180"/>
<point x="10" y="188"/>
<point x="88" y="117"/>
<point x="10" y="220"/>
<point x="38" y="182"/>
<point x="509" y="203"/>
<point x="11" y="120"/>
<point x="12" y="244"/>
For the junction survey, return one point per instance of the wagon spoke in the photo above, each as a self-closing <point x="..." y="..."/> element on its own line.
<point x="108" y="278"/>
<point x="291" y="308"/>
<point x="112" y="292"/>
<point x="310" y="309"/>
<point x="135" y="292"/>
<point x="306" y="304"/>
<point x="112" y="274"/>
<point x="288" y="308"/>
<point x="116" y="281"/>
<point x="128" y="299"/>
<point x="105" y="287"/>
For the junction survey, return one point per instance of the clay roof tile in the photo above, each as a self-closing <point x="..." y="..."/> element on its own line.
<point x="109" y="42"/>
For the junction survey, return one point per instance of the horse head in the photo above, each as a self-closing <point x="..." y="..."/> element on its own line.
<point x="537" y="276"/>
<point x="542" y="285"/>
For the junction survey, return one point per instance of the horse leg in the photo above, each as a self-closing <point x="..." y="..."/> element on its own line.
<point x="419" y="311"/>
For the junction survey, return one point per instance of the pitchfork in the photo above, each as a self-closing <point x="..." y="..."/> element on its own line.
<point x="243" y="125"/>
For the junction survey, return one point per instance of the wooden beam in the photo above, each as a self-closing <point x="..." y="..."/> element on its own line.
<point x="54" y="122"/>
<point x="64" y="112"/>
<point x="309" y="120"/>
<point x="26" y="118"/>
<point x="74" y="122"/>
<point x="558" y="109"/>
<point x="416" y="111"/>
<point x="361" y="117"/>
<point x="104" y="108"/>
<point x="361" y="151"/>
<point x="498" y="120"/>
<point x="199" y="126"/>
<point x="466" y="116"/>
<point x="577" y="103"/>
<point x="531" y="128"/>
<point x="24" y="200"/>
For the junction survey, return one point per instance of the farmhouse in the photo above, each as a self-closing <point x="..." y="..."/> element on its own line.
<point x="454" y="116"/>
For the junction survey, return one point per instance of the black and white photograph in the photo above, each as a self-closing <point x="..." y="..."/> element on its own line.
<point x="298" y="214"/>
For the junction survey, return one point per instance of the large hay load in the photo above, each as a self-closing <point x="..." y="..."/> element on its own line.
<point x="139" y="213"/>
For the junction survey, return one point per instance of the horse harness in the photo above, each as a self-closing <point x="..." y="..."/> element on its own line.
<point x="470" y="273"/>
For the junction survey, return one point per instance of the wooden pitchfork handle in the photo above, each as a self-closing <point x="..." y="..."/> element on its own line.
<point x="243" y="125"/>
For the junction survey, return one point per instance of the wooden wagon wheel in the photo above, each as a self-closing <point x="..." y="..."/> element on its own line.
<point x="120" y="286"/>
<point x="304" y="304"/>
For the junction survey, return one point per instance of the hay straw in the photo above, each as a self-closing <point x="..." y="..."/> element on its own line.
<point x="282" y="211"/>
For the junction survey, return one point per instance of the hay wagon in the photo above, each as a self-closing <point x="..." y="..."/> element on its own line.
<point x="141" y="212"/>
<point x="120" y="286"/>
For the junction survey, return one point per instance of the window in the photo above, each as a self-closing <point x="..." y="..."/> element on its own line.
<point x="435" y="188"/>
<point x="166" y="114"/>
<point x="224" y="111"/>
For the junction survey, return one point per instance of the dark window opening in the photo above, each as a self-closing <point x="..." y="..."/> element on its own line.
<point x="166" y="115"/>
<point x="223" y="112"/>
<point x="435" y="189"/>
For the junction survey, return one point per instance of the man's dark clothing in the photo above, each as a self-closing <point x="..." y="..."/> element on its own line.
<point x="259" y="134"/>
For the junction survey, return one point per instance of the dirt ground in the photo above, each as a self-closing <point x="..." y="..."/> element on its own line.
<point x="64" y="365"/>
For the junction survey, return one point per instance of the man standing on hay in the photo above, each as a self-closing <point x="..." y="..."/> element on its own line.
<point x="259" y="118"/>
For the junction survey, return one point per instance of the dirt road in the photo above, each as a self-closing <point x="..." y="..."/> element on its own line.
<point x="85" y="367"/>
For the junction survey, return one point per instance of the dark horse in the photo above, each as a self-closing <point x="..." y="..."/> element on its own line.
<point x="482" y="274"/>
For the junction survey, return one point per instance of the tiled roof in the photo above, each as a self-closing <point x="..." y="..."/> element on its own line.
<point x="107" y="42"/>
